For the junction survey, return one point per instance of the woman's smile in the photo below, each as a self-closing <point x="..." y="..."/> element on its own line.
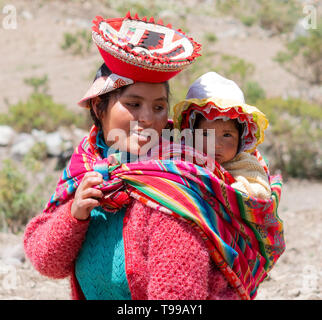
<point x="137" y="116"/>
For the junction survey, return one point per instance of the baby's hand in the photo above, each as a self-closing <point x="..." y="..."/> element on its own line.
<point x="86" y="196"/>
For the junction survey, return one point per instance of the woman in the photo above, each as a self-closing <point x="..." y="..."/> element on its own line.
<point x="88" y="244"/>
<point x="153" y="229"/>
<point x="138" y="252"/>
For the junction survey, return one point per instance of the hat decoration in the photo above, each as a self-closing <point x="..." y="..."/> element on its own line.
<point x="216" y="97"/>
<point x="142" y="49"/>
<point x="103" y="85"/>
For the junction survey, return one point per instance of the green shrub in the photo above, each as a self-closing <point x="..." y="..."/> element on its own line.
<point x="152" y="8"/>
<point x="235" y="68"/>
<point x="16" y="205"/>
<point x="78" y="43"/>
<point x="253" y="92"/>
<point x="294" y="150"/>
<point x="20" y="197"/>
<point x="34" y="159"/>
<point x="142" y="8"/>
<point x="305" y="155"/>
<point x="231" y="7"/>
<point x="248" y="20"/>
<point x="40" y="112"/>
<point x="139" y="8"/>
<point x="303" y="56"/>
<point x="293" y="142"/>
<point x="278" y="16"/>
<point x="294" y="107"/>
<point x="37" y="83"/>
<point x="210" y="37"/>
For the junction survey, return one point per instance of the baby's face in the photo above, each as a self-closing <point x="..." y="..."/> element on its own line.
<point x="226" y="138"/>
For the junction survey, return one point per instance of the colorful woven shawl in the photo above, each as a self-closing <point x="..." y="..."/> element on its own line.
<point x="244" y="235"/>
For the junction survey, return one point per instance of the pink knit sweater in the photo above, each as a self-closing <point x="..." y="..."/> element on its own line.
<point x="165" y="257"/>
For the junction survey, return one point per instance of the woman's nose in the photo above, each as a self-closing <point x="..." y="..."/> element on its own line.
<point x="145" y="115"/>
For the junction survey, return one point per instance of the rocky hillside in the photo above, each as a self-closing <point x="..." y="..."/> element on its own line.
<point x="35" y="47"/>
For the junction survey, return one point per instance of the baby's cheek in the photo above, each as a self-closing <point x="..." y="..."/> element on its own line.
<point x="232" y="147"/>
<point x="204" y="146"/>
<point x="231" y="144"/>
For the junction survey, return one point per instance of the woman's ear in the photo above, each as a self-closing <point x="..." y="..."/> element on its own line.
<point x="94" y="103"/>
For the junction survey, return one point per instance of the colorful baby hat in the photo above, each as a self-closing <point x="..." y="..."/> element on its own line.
<point x="216" y="97"/>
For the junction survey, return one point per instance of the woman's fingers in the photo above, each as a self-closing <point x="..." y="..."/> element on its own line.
<point x="86" y="197"/>
<point x="81" y="209"/>
<point x="91" y="193"/>
<point x="92" y="174"/>
<point x="90" y="179"/>
<point x="89" y="203"/>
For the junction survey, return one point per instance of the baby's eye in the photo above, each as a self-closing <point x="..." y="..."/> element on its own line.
<point x="227" y="135"/>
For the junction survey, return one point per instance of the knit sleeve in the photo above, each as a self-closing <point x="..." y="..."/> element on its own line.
<point x="257" y="188"/>
<point x="52" y="241"/>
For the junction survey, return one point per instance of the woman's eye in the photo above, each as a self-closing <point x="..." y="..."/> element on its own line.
<point x="132" y="104"/>
<point x="159" y="108"/>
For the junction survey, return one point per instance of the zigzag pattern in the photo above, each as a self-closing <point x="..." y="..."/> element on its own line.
<point x="100" y="266"/>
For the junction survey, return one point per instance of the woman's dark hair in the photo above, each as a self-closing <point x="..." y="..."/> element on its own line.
<point x="103" y="71"/>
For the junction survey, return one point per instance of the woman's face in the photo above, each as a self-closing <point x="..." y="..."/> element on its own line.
<point x="226" y="139"/>
<point x="134" y="119"/>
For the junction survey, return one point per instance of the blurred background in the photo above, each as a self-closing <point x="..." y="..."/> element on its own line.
<point x="272" y="49"/>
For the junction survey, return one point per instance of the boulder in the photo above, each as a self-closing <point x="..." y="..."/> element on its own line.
<point x="39" y="135"/>
<point x="13" y="254"/>
<point x="7" y="135"/>
<point x="54" y="143"/>
<point x="22" y="144"/>
<point x="300" y="29"/>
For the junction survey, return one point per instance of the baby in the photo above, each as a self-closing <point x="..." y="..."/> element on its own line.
<point x="214" y="102"/>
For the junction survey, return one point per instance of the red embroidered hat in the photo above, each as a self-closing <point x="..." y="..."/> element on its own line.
<point x="143" y="50"/>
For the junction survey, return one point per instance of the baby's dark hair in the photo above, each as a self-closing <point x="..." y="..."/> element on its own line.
<point x="103" y="71"/>
<point x="239" y="127"/>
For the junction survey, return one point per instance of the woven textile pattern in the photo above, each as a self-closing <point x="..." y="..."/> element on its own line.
<point x="244" y="235"/>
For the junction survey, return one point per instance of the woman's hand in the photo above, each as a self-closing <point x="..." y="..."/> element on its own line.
<point x="86" y="196"/>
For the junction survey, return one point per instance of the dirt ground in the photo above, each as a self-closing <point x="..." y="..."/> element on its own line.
<point x="33" y="49"/>
<point x="297" y="275"/>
